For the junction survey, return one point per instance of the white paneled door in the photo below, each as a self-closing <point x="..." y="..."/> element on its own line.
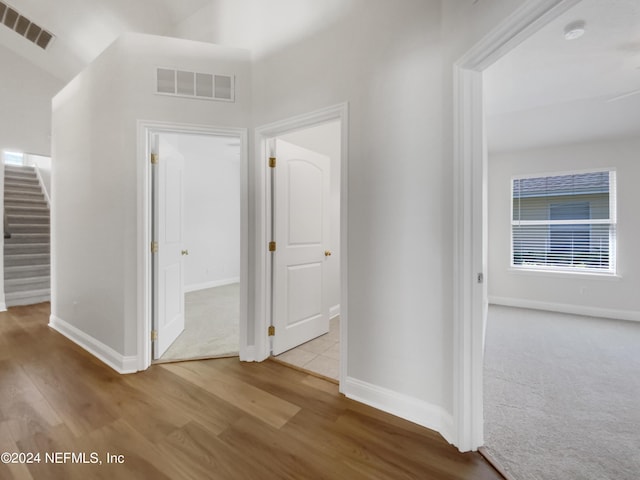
<point x="301" y="216"/>
<point x="168" y="260"/>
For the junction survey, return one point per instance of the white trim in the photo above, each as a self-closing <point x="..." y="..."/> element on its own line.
<point x="105" y="353"/>
<point x="410" y="408"/>
<point x="567" y="273"/>
<point x="262" y="273"/>
<point x="469" y="207"/>
<point x="631" y="315"/>
<point x="3" y="307"/>
<point x="334" y="311"/>
<point x="42" y="186"/>
<point x="147" y="128"/>
<point x="216" y="283"/>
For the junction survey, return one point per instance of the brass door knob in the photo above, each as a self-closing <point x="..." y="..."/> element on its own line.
<point x="327" y="253"/>
<point x="185" y="252"/>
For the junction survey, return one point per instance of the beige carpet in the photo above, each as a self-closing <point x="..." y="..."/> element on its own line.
<point x="562" y="395"/>
<point x="211" y="325"/>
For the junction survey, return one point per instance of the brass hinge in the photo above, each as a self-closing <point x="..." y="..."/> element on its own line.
<point x="154" y="335"/>
<point x="154" y="247"/>
<point x="272" y="331"/>
<point x="154" y="159"/>
<point x="272" y="246"/>
<point x="272" y="162"/>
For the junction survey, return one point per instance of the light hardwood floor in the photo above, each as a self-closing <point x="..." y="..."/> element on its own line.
<point x="214" y="419"/>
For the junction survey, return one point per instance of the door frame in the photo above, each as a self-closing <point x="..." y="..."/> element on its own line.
<point x="145" y="131"/>
<point x="470" y="211"/>
<point x="263" y="223"/>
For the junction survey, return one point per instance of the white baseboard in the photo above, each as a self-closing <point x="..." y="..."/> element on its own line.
<point x="216" y="283"/>
<point x="404" y="406"/>
<point x="3" y="307"/>
<point x="567" y="308"/>
<point x="334" y="311"/>
<point x="105" y="353"/>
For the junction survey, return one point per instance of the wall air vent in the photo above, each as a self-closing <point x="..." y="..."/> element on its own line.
<point x="207" y="86"/>
<point x="24" y="27"/>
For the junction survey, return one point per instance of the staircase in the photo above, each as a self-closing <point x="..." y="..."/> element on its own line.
<point x="27" y="264"/>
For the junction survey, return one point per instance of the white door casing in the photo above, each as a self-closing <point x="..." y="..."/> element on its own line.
<point x="168" y="233"/>
<point x="301" y="216"/>
<point x="470" y="243"/>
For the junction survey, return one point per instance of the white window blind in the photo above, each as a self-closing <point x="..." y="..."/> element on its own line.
<point x="564" y="222"/>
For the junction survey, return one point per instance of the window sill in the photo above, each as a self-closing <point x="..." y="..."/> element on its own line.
<point x="565" y="274"/>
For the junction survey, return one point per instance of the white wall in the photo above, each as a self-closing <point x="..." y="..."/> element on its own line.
<point x="25" y="105"/>
<point x="386" y="62"/>
<point x="586" y="294"/>
<point x="325" y="139"/>
<point x="212" y="209"/>
<point x="95" y="225"/>
<point x="392" y="61"/>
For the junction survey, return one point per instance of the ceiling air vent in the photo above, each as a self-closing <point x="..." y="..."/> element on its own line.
<point x="208" y="86"/>
<point x="24" y="27"/>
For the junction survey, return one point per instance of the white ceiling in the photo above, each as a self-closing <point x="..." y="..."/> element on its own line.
<point x="550" y="90"/>
<point x="547" y="91"/>
<point x="84" y="28"/>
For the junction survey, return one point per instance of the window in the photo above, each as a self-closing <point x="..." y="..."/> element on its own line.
<point x="564" y="222"/>
<point x="13" y="158"/>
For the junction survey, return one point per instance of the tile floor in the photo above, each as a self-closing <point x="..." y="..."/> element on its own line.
<point x="321" y="355"/>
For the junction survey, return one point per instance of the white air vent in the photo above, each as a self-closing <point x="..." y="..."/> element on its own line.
<point x="208" y="86"/>
<point x="20" y="24"/>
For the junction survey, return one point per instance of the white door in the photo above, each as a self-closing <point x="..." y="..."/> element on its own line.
<point x="168" y="264"/>
<point x="301" y="215"/>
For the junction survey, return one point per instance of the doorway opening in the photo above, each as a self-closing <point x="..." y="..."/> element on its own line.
<point x="197" y="201"/>
<point x="195" y="208"/>
<point x="470" y="222"/>
<point x="301" y="291"/>
<point x="305" y="222"/>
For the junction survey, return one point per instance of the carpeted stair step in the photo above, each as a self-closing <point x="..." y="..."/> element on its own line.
<point x="29" y="228"/>
<point x="18" y="168"/>
<point x="22" y="238"/>
<point x="20" y="174"/>
<point x="23" y="284"/>
<point x="26" y="219"/>
<point x="28" y="271"/>
<point x="29" y="180"/>
<point x="28" y="259"/>
<point x="26" y="210"/>
<point x="24" y="202"/>
<point x="26" y="248"/>
<point x="17" y="197"/>
<point x="23" y="185"/>
<point x="28" y="297"/>
<point x="9" y="171"/>
<point x="24" y="189"/>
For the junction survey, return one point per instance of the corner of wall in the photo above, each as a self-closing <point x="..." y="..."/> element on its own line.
<point x="412" y="409"/>
<point x="120" y="363"/>
<point x="572" y="309"/>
